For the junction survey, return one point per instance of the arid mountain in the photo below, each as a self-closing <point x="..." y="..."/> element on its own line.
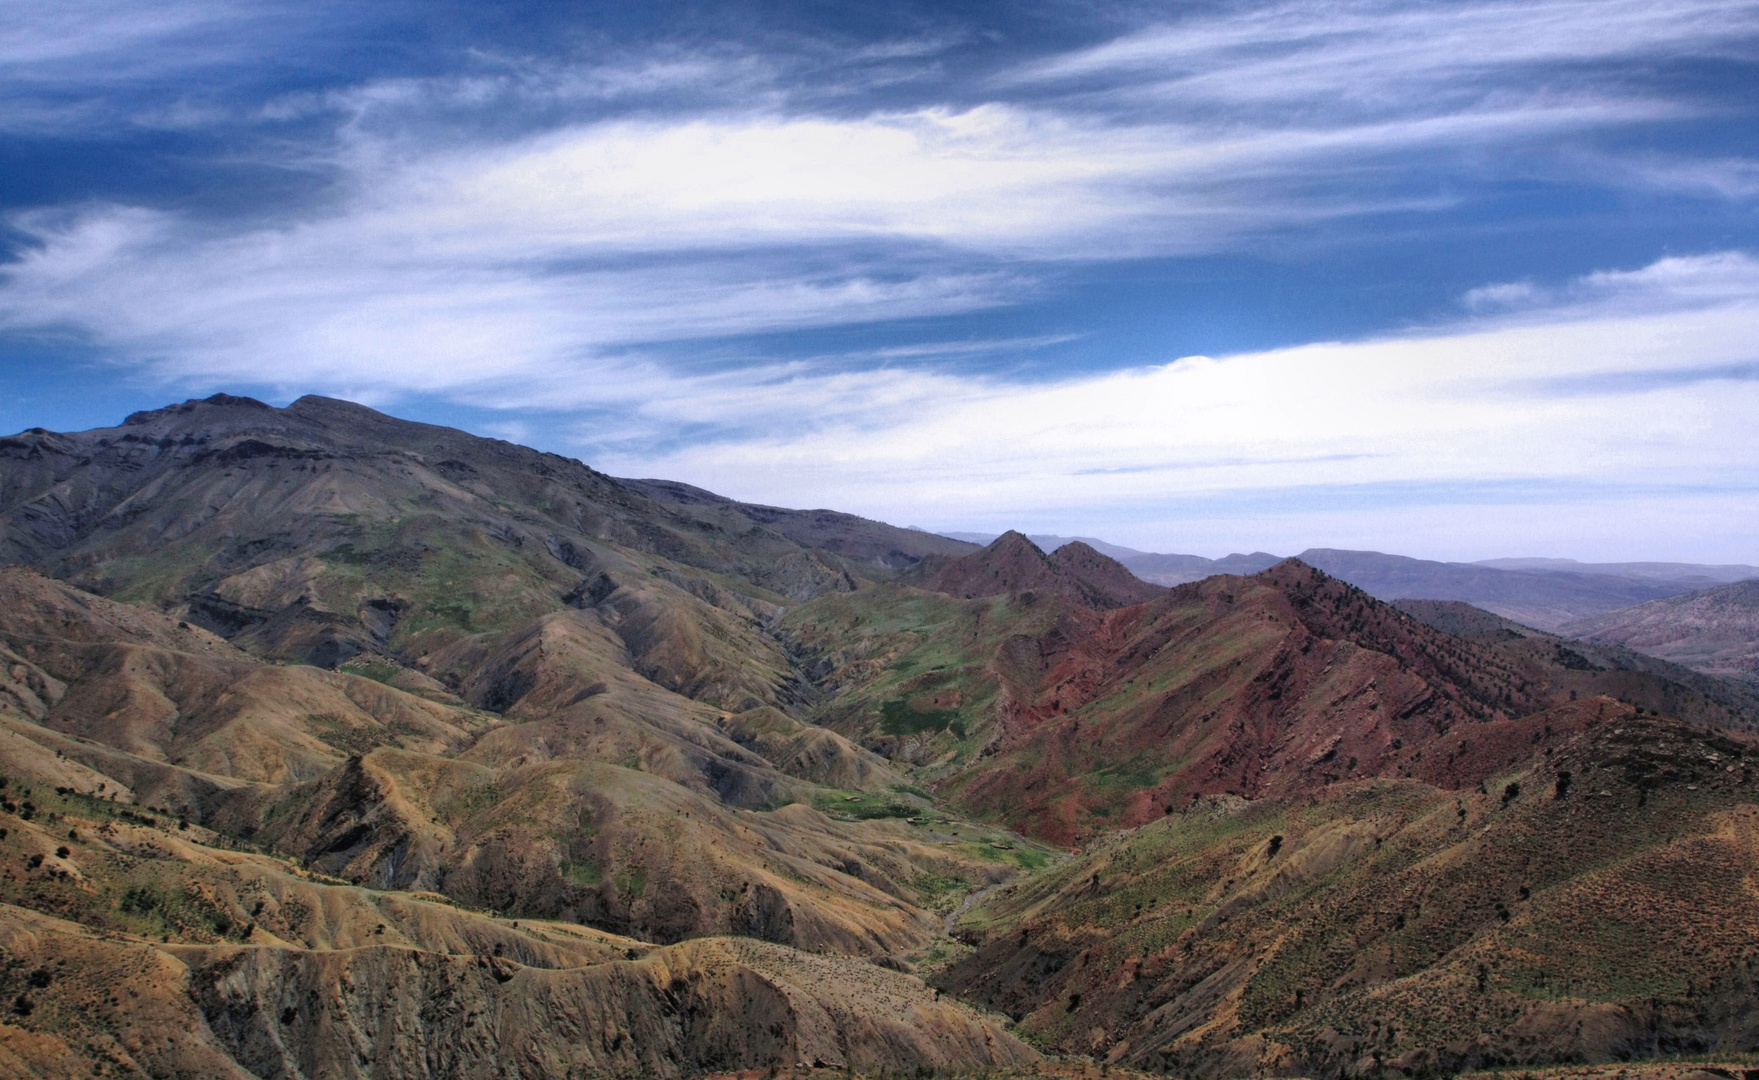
<point x="136" y="947"/>
<point x="335" y="745"/>
<point x="662" y="830"/>
<point x="1013" y="564"/>
<point x="1715" y="631"/>
<point x="326" y="529"/>
<point x="1061" y="720"/>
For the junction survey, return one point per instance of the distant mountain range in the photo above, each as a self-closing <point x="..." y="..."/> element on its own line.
<point x="1543" y="593"/>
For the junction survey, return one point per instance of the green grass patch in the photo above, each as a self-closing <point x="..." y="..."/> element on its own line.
<point x="377" y="670"/>
<point x="584" y="872"/>
<point x="632" y="882"/>
<point x="898" y="718"/>
<point x="865" y="805"/>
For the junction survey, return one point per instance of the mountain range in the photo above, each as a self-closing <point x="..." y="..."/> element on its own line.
<point x="339" y="745"/>
<point x="1545" y="593"/>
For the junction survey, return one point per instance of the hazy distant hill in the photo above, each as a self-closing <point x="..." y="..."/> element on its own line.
<point x="1671" y="572"/>
<point x="1714" y="630"/>
<point x="1543" y="598"/>
<point x="1631" y="674"/>
<point x="1544" y="593"/>
<point x="1161" y="569"/>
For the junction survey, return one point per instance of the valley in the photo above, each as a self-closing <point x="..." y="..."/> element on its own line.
<point x="339" y="745"/>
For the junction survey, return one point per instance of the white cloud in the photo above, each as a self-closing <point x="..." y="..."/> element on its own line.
<point x="441" y="268"/>
<point x="1261" y="442"/>
<point x="1400" y="56"/>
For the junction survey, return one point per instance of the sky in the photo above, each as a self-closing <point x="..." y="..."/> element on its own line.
<point x="1458" y="280"/>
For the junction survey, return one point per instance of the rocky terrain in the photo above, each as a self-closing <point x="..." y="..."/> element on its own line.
<point x="1586" y="903"/>
<point x="1062" y="719"/>
<point x="337" y="745"/>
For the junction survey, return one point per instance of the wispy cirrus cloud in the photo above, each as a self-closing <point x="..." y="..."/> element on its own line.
<point x="1628" y="388"/>
<point x="1398" y="56"/>
<point x="575" y="231"/>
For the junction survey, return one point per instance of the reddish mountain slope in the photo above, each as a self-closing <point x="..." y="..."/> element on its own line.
<point x="1286" y="681"/>
<point x="1014" y="564"/>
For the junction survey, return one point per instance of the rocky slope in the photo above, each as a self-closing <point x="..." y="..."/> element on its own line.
<point x="1588" y="903"/>
<point x="224" y="963"/>
<point x="1062" y="720"/>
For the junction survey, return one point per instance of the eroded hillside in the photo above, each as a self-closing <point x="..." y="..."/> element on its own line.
<point x="336" y="745"/>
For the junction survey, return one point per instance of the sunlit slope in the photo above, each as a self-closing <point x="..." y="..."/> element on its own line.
<point x="621" y="803"/>
<point x="138" y="947"/>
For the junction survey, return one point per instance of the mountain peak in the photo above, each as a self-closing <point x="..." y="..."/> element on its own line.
<point x="223" y="401"/>
<point x="1014" y="540"/>
<point x="1012" y="563"/>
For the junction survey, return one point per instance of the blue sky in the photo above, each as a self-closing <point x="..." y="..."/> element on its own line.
<point x="1455" y="280"/>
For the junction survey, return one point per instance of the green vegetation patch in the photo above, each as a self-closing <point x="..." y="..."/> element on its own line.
<point x="864" y="805"/>
<point x="582" y="872"/>
<point x="898" y="718"/>
<point x="377" y="670"/>
<point x="632" y="882"/>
